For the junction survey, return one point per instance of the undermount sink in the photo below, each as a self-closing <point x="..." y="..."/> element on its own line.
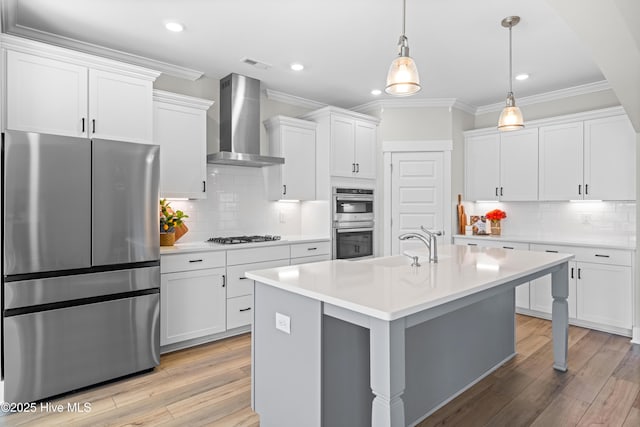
<point x="402" y="260"/>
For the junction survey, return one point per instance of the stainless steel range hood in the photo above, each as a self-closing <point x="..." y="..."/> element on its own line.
<point x="240" y="124"/>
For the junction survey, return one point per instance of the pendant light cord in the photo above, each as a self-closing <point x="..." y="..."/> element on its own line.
<point x="404" y="14"/>
<point x="510" y="62"/>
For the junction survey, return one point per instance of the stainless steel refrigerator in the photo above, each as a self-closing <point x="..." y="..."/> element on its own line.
<point x="81" y="275"/>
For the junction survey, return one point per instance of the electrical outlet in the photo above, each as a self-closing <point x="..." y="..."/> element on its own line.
<point x="283" y="323"/>
<point x="283" y="217"/>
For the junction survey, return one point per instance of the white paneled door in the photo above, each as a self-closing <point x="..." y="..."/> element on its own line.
<point x="417" y="196"/>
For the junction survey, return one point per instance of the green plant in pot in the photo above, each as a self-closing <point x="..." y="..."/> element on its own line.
<point x="169" y="220"/>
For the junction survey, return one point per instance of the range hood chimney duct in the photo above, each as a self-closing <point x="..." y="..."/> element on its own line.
<point x="240" y="124"/>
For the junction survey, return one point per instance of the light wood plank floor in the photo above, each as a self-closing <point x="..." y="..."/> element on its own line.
<point x="210" y="385"/>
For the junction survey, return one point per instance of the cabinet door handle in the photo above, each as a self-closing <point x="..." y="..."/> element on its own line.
<point x="586" y="189"/>
<point x="353" y="168"/>
<point x="580" y="189"/>
<point x="284" y="189"/>
<point x="312" y="249"/>
<point x="93" y="123"/>
<point x="243" y="278"/>
<point x="224" y="280"/>
<point x="572" y="272"/>
<point x="245" y="309"/>
<point x="508" y="247"/>
<point x="357" y="167"/>
<point x="579" y="275"/>
<point x="472" y="244"/>
<point x="83" y="125"/>
<point x="501" y="191"/>
<point x="550" y="251"/>
<point x="204" y="186"/>
<point x="195" y="260"/>
<point x="496" y="191"/>
<point x="602" y="256"/>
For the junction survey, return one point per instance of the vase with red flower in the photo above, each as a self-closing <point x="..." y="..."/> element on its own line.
<point x="495" y="216"/>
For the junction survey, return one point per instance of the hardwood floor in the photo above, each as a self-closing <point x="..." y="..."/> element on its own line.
<point x="210" y="385"/>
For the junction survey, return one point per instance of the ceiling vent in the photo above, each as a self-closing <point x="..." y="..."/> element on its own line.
<point x="255" y="63"/>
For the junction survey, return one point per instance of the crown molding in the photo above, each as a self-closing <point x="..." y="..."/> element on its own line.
<point x="329" y="110"/>
<point x="181" y="100"/>
<point x="274" y="95"/>
<point x="9" y="26"/>
<point x="549" y="96"/>
<point x="557" y="120"/>
<point x="279" y="120"/>
<point x="407" y="103"/>
<point x="33" y="47"/>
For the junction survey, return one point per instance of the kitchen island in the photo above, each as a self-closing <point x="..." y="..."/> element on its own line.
<point x="380" y="342"/>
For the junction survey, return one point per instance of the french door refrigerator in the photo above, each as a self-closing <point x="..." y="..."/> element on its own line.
<point x="81" y="275"/>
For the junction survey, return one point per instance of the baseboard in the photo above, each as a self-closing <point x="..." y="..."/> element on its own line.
<point x="635" y="335"/>
<point x="204" y="340"/>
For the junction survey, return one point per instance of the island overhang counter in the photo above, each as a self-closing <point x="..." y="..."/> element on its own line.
<point x="380" y="342"/>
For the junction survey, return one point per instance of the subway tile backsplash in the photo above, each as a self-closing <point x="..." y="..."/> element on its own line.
<point x="563" y="219"/>
<point x="237" y="204"/>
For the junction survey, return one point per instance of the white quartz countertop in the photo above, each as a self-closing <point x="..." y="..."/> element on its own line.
<point x="388" y="288"/>
<point x="184" y="248"/>
<point x="595" y="241"/>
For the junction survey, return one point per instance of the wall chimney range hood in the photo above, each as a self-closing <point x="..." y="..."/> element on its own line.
<point x="240" y="124"/>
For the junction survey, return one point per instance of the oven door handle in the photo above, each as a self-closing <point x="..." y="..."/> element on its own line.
<point x="352" y="197"/>
<point x="351" y="230"/>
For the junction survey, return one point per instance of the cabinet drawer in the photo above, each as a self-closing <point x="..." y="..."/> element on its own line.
<point x="193" y="261"/>
<point x="491" y="242"/>
<point x="310" y="249"/>
<point x="250" y="255"/>
<point x="239" y="311"/>
<point x="307" y="259"/>
<point x="595" y="255"/>
<point x="238" y="285"/>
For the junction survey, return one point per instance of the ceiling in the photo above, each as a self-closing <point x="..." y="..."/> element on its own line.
<point x="346" y="45"/>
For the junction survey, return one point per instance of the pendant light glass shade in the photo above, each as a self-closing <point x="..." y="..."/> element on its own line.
<point x="511" y="116"/>
<point x="403" y="78"/>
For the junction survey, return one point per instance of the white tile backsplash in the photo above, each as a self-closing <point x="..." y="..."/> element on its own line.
<point x="237" y="204"/>
<point x="564" y="219"/>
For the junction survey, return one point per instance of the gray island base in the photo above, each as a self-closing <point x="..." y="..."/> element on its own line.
<point x="381" y="343"/>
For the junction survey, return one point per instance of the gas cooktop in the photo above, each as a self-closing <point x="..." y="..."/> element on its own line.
<point x="243" y="239"/>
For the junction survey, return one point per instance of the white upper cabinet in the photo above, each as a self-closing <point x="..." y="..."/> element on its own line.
<point x="120" y="107"/>
<point x="45" y="95"/>
<point x="482" y="167"/>
<point x="295" y="140"/>
<point x="353" y="147"/>
<point x="502" y="166"/>
<point x="519" y="165"/>
<point x="590" y="160"/>
<point x="347" y="146"/>
<point x="609" y="159"/>
<point x="561" y="164"/>
<point x="585" y="156"/>
<point x="62" y="92"/>
<point x="180" y="128"/>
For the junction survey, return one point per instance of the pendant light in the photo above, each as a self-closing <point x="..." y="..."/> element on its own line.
<point x="511" y="116"/>
<point x="403" y="79"/>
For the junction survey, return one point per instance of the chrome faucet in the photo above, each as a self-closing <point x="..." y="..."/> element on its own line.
<point x="434" y="242"/>
<point x="431" y="242"/>
<point x="420" y="237"/>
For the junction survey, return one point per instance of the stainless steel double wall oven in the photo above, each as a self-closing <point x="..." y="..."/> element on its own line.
<point x="353" y="223"/>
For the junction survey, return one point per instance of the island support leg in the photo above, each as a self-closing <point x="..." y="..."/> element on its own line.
<point x="387" y="372"/>
<point x="560" y="317"/>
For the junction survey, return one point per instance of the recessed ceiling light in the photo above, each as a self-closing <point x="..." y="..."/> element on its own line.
<point x="376" y="92"/>
<point x="297" y="66"/>
<point x="176" y="27"/>
<point x="523" y="76"/>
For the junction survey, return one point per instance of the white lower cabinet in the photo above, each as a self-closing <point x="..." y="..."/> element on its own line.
<point x="240" y="289"/>
<point x="303" y="253"/>
<point x="206" y="293"/>
<point x="193" y="304"/>
<point x="600" y="285"/>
